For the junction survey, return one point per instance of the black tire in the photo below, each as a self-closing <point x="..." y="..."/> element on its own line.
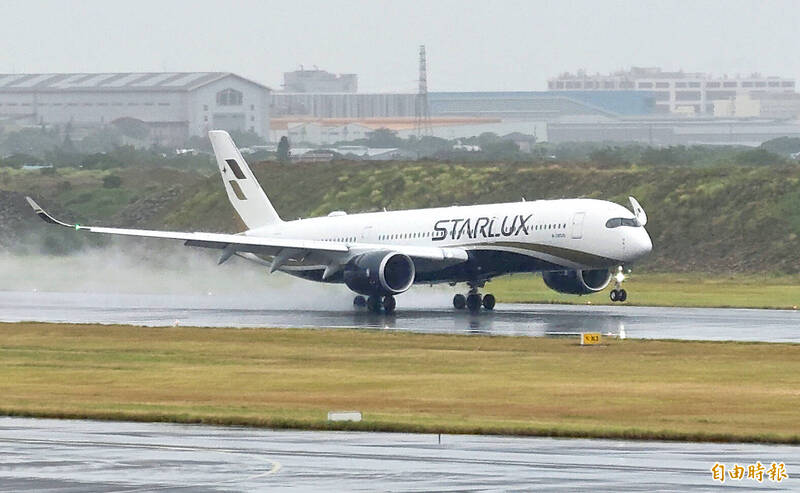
<point x="374" y="304"/>
<point x="459" y="301"/>
<point x="389" y="304"/>
<point x="623" y="295"/>
<point x="614" y="295"/>
<point x="489" y="301"/>
<point x="474" y="302"/>
<point x="359" y="301"/>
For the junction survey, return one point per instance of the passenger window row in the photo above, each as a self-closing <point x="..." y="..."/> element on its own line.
<point x="406" y="236"/>
<point x="550" y="226"/>
<point x="349" y="239"/>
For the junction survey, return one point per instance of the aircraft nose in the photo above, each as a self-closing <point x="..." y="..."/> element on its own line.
<point x="639" y="245"/>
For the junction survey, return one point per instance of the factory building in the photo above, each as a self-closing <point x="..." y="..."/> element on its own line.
<point x="173" y="106"/>
<point x="674" y="92"/>
<point x="523" y="105"/>
<point x="317" y="80"/>
<point x="343" y="105"/>
<point x="540" y="106"/>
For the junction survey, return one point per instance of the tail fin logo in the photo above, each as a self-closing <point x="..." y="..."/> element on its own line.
<point x="244" y="191"/>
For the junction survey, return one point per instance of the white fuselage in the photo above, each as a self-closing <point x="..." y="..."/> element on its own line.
<point x="557" y="234"/>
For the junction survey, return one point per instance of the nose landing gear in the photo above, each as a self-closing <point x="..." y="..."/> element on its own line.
<point x="473" y="300"/>
<point x="618" y="294"/>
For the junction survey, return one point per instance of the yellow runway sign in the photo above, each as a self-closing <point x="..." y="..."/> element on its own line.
<point x="589" y="338"/>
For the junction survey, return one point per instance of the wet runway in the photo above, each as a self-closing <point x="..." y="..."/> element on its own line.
<point x="414" y="314"/>
<point x="89" y="456"/>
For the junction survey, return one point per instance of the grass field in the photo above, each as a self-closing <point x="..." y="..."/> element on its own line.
<point x="690" y="290"/>
<point x="645" y="389"/>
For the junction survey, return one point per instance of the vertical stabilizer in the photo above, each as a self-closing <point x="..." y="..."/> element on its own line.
<point x="244" y="191"/>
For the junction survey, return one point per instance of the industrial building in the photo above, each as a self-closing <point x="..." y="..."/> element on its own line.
<point x="328" y="131"/>
<point x="645" y="105"/>
<point x="317" y="80"/>
<point x="343" y="105"/>
<point x="661" y="132"/>
<point x="540" y="105"/>
<point x="674" y="92"/>
<point x="781" y="106"/>
<point x="522" y="105"/>
<point x="173" y="106"/>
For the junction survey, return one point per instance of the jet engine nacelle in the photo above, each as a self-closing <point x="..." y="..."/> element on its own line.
<point x="379" y="273"/>
<point x="577" y="281"/>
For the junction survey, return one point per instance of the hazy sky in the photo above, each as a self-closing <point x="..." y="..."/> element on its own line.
<point x="497" y="45"/>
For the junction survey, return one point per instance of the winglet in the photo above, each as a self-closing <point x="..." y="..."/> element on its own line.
<point x="638" y="211"/>
<point x="44" y="216"/>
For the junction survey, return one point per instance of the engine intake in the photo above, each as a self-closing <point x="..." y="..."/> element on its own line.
<point x="380" y="273"/>
<point x="577" y="281"/>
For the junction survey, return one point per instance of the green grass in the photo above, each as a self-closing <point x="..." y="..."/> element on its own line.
<point x="646" y="389"/>
<point x="99" y="202"/>
<point x="688" y="290"/>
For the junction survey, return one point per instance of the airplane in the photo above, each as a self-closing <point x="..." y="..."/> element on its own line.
<point x="578" y="245"/>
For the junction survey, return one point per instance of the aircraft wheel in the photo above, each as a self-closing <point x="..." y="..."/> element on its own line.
<point x="359" y="301"/>
<point x="623" y="295"/>
<point x="489" y="301"/>
<point x="459" y="301"/>
<point x="389" y="304"/>
<point x="614" y="295"/>
<point x="474" y="302"/>
<point x="374" y="304"/>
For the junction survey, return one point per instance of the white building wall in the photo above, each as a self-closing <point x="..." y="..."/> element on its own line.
<point x="254" y="108"/>
<point x="94" y="107"/>
<point x="184" y="112"/>
<point x="676" y="92"/>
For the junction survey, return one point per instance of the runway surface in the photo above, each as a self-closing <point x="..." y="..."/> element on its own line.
<point x="90" y="456"/>
<point x="414" y="314"/>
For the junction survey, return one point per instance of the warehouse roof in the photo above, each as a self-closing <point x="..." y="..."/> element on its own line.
<point x="126" y="81"/>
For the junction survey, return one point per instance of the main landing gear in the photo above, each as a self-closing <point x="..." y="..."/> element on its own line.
<point x="618" y="294"/>
<point x="473" y="300"/>
<point x="375" y="303"/>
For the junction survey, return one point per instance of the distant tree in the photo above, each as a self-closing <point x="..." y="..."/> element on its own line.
<point x="101" y="140"/>
<point x="112" y="181"/>
<point x="758" y="157"/>
<point x="20" y="160"/>
<point x="283" y="149"/>
<point x="501" y="150"/>
<point x="100" y="160"/>
<point x="783" y="145"/>
<point x="246" y="139"/>
<point x="487" y="138"/>
<point x="132" y="127"/>
<point x="64" y="186"/>
<point x="35" y="141"/>
<point x="383" y="137"/>
<point x="609" y="157"/>
<point x="67" y="145"/>
<point x="428" y="145"/>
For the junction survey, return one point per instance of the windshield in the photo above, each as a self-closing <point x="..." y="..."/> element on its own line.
<point x="616" y="222"/>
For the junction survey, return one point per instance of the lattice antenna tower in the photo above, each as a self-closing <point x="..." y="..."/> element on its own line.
<point x="422" y="111"/>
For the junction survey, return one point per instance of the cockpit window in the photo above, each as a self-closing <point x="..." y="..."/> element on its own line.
<point x="616" y="222"/>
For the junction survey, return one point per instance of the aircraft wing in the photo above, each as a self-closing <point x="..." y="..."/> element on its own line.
<point x="331" y="252"/>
